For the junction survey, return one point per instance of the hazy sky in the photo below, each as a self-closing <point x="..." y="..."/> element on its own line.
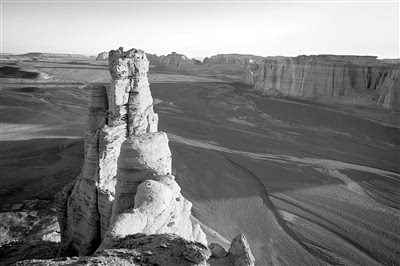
<point x="200" y="28"/>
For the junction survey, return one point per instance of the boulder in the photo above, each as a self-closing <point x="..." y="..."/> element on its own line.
<point x="240" y="252"/>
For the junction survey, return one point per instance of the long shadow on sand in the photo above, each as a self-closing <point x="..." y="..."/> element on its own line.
<point x="38" y="166"/>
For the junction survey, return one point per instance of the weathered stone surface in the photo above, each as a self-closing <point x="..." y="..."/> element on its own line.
<point x="140" y="249"/>
<point x="98" y="107"/>
<point x="249" y="77"/>
<point x="26" y="249"/>
<point x="125" y="186"/>
<point x="329" y="76"/>
<point x="198" y="234"/>
<point x="79" y="212"/>
<point x="142" y="157"/>
<point x="102" y="56"/>
<point x="240" y="251"/>
<point x="130" y="64"/>
<point x="388" y="89"/>
<point x="217" y="251"/>
<point x="158" y="208"/>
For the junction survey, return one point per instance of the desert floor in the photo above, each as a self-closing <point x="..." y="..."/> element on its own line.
<point x="307" y="183"/>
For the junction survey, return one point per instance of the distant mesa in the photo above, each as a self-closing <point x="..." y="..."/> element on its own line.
<point x="178" y="60"/>
<point x="102" y="56"/>
<point x="391" y="60"/>
<point x="53" y="55"/>
<point x="237" y="67"/>
<point x="235" y="61"/>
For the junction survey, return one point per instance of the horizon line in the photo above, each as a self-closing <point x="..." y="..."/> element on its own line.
<point x="194" y="57"/>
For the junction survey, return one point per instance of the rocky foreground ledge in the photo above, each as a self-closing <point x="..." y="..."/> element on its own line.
<point x="125" y="207"/>
<point x="163" y="249"/>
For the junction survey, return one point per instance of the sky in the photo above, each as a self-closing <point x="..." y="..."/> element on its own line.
<point x="202" y="28"/>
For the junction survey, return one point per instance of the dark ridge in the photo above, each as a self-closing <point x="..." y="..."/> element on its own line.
<point x="16" y="72"/>
<point x="30" y="90"/>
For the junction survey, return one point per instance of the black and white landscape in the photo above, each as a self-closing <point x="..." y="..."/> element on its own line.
<point x="298" y="153"/>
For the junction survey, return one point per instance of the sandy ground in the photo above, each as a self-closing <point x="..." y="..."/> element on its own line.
<point x="297" y="177"/>
<point x="308" y="183"/>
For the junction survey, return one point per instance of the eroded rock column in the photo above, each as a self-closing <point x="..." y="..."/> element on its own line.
<point x="147" y="198"/>
<point x="125" y="186"/>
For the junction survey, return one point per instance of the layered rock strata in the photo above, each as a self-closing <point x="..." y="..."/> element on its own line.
<point x="249" y="77"/>
<point x="125" y="186"/>
<point x="388" y="89"/>
<point x="331" y="77"/>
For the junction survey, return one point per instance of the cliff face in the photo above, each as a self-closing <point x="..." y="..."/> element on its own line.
<point x="244" y="67"/>
<point x="177" y="60"/>
<point x="249" y="77"/>
<point x="125" y="186"/>
<point x="154" y="60"/>
<point x="330" y="76"/>
<point x="389" y="89"/>
<point x="234" y="60"/>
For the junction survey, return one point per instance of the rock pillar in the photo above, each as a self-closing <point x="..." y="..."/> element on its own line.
<point x="125" y="186"/>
